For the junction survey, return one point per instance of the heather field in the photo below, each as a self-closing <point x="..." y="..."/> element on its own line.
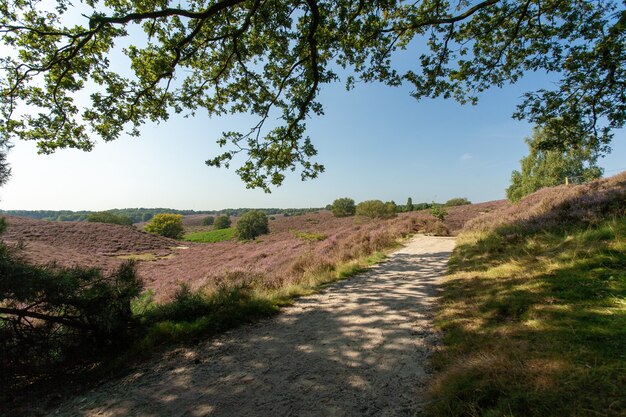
<point x="296" y="246"/>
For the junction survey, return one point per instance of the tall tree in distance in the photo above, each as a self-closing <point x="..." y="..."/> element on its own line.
<point x="409" y="204"/>
<point x="64" y="79"/>
<point x="546" y="168"/>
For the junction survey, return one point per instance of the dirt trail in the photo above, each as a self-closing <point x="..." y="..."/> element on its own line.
<point x="359" y="348"/>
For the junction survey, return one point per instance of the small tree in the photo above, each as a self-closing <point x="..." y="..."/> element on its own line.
<point x="252" y="224"/>
<point x="376" y="209"/>
<point x="208" y="221"/>
<point x="409" y="204"/>
<point x="221" y="222"/>
<point x="343" y="207"/>
<point x="166" y="224"/>
<point x="438" y="211"/>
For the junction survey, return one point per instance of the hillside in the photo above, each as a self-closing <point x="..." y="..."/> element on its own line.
<point x="295" y="244"/>
<point x="534" y="308"/>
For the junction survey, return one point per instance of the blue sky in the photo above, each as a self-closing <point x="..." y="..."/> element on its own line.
<point x="375" y="141"/>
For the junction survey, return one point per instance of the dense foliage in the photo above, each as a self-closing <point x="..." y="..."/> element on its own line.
<point x="65" y="82"/>
<point x="252" y="224"/>
<point x="343" y="207"/>
<point x="546" y="168"/>
<point x="437" y="211"/>
<point x="222" y="222"/>
<point x="108" y="217"/>
<point x="208" y="221"/>
<point x="409" y="205"/>
<point x="166" y="224"/>
<point x="51" y="317"/>
<point x="458" y="201"/>
<point x="376" y="209"/>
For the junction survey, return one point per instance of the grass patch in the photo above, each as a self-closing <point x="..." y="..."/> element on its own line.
<point x="309" y="236"/>
<point x="212" y="236"/>
<point x="534" y="324"/>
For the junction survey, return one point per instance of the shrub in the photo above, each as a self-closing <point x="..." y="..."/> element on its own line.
<point x="53" y="318"/>
<point x="459" y="201"/>
<point x="221" y="222"/>
<point x="409" y="204"/>
<point x="376" y="209"/>
<point x="438" y="212"/>
<point x="343" y="207"/>
<point x="421" y="206"/>
<point x="108" y="217"/>
<point x="166" y="224"/>
<point x="208" y="221"/>
<point x="252" y="224"/>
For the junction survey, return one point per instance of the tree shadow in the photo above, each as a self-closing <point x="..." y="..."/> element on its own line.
<point x="358" y="348"/>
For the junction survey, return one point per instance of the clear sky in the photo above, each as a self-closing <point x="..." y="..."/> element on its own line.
<point x="375" y="141"/>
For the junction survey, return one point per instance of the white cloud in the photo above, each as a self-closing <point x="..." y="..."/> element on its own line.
<point x="466" y="157"/>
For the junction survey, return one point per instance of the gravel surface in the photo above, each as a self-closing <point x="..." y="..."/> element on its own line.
<point x="358" y="348"/>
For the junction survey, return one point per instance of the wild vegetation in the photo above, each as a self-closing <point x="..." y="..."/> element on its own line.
<point x="222" y="222"/>
<point x="166" y="224"/>
<point x="252" y="224"/>
<point x="547" y="168"/>
<point x="343" y="207"/>
<point x="376" y="209"/>
<point x="211" y="236"/>
<point x="55" y="319"/>
<point x="534" y="312"/>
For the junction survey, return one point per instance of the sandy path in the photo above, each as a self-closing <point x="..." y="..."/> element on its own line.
<point x="359" y="348"/>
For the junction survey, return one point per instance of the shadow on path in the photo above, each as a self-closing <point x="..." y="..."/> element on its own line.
<point x="359" y="348"/>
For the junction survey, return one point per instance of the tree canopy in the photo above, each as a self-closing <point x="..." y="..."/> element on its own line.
<point x="71" y="73"/>
<point x="546" y="168"/>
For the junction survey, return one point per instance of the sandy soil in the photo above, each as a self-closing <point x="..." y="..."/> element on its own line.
<point x="359" y="348"/>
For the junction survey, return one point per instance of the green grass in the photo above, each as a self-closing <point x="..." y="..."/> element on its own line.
<point x="212" y="236"/>
<point x="534" y="324"/>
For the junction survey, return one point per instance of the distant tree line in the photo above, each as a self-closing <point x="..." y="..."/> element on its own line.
<point x="138" y="215"/>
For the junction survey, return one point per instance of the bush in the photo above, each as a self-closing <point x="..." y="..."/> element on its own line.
<point x="376" y="209"/>
<point x="438" y="212"/>
<point x="221" y="222"/>
<point x="252" y="224"/>
<point x="457" y="202"/>
<point x="208" y="221"/>
<point x="166" y="224"/>
<point x="108" y="217"/>
<point x="53" y="318"/>
<point x="343" y="207"/>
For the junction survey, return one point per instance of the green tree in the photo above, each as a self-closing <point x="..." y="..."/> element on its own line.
<point x="409" y="204"/>
<point x="166" y="224"/>
<point x="252" y="224"/>
<point x="546" y="168"/>
<point x="437" y="211"/>
<point x="343" y="207"/>
<point x="108" y="217"/>
<point x="64" y="83"/>
<point x="221" y="222"/>
<point x="208" y="221"/>
<point x="459" y="201"/>
<point x="376" y="209"/>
